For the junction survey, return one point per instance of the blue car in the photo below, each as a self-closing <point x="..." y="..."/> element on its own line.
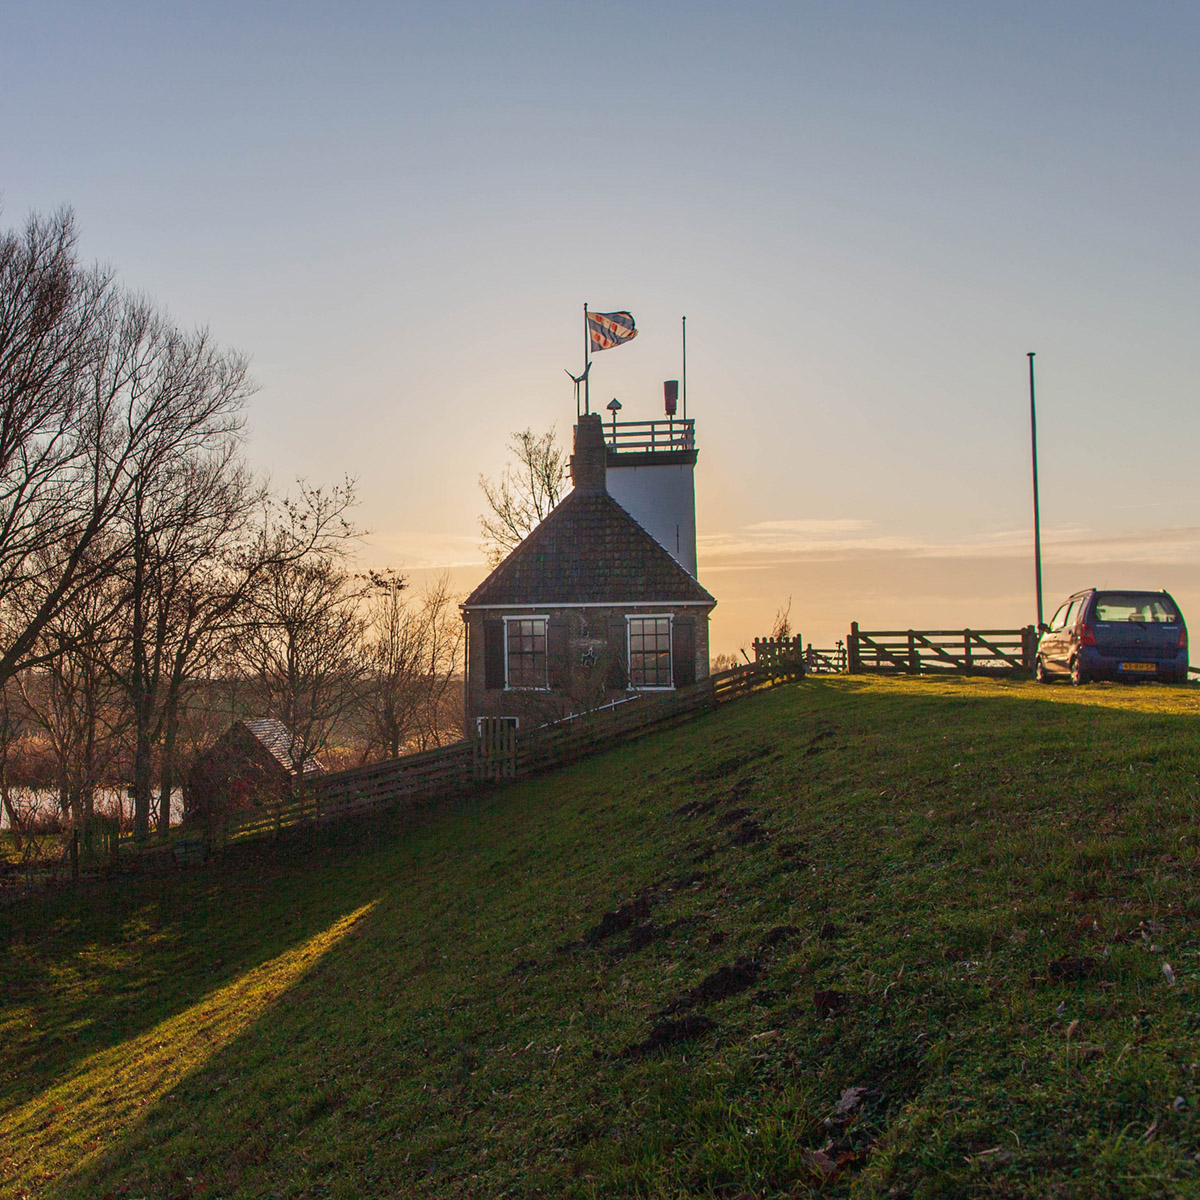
<point x="1115" y="635"/>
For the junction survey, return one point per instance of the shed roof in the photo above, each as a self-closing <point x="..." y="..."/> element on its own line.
<point x="589" y="550"/>
<point x="277" y="739"/>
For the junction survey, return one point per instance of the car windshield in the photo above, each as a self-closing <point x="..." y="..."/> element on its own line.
<point x="1143" y="607"/>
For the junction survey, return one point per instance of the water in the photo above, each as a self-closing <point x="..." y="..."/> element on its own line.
<point x="109" y="801"/>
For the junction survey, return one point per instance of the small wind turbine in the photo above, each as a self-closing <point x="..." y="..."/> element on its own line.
<point x="577" y="380"/>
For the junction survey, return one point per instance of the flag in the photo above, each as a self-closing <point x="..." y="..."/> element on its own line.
<point x="610" y="329"/>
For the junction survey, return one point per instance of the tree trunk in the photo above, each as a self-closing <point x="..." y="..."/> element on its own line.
<point x="140" y="692"/>
<point x="13" y="822"/>
<point x="167" y="770"/>
<point x="142" y="780"/>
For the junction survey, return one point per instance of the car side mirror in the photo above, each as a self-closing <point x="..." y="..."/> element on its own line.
<point x="1043" y="627"/>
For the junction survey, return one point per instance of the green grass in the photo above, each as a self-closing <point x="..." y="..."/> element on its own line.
<point x="958" y="896"/>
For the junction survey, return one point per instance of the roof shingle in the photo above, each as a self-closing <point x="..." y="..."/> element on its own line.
<point x="278" y="741"/>
<point x="589" y="550"/>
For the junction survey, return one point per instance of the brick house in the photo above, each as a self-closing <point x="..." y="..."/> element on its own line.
<point x="588" y="609"/>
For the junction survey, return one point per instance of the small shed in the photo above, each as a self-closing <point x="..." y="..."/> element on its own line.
<point x="257" y="762"/>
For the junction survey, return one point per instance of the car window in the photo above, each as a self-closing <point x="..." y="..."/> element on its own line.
<point x="1073" y="613"/>
<point x="1139" y="607"/>
<point x="1059" y="620"/>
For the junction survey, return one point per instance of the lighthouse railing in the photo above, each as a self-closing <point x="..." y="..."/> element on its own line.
<point x="655" y="436"/>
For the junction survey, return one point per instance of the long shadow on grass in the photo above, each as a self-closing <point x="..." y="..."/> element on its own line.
<point x="366" y="1067"/>
<point x="407" y="993"/>
<point x="88" y="968"/>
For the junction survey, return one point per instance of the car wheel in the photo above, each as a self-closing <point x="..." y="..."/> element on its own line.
<point x="1078" y="674"/>
<point x="1039" y="671"/>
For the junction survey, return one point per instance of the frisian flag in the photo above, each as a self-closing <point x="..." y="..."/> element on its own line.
<point x="610" y="329"/>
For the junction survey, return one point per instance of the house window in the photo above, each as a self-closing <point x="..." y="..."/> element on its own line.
<point x="650" y="652"/>
<point x="525" y="652"/>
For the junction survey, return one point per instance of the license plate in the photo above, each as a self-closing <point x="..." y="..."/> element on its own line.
<point x="1139" y="667"/>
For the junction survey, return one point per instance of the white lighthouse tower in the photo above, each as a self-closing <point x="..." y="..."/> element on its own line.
<point x="651" y="475"/>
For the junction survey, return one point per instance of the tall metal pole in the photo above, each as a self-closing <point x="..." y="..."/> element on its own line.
<point x="587" y="349"/>
<point x="1037" y="523"/>
<point x="685" y="368"/>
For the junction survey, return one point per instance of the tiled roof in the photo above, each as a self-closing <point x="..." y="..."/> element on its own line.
<point x="275" y="737"/>
<point x="589" y="550"/>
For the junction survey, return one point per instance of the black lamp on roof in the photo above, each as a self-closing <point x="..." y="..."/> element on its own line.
<point x="614" y="407"/>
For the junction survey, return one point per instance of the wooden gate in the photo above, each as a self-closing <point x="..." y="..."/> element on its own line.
<point x="954" y="651"/>
<point x="496" y="748"/>
<point x="779" y="650"/>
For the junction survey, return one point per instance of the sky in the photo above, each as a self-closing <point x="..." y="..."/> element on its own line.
<point x="868" y="212"/>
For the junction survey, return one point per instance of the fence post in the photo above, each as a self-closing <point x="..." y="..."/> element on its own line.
<point x="966" y="652"/>
<point x="914" y="662"/>
<point x="1028" y="647"/>
<point x="853" y="666"/>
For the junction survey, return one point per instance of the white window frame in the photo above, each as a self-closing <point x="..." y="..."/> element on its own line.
<point x="480" y="720"/>
<point x="527" y="617"/>
<point x="651" y="616"/>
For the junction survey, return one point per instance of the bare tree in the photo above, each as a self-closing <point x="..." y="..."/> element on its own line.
<point x="781" y="628"/>
<point x="13" y="723"/>
<point x="73" y="700"/>
<point x="443" y="663"/>
<point x="413" y="651"/>
<point x="529" y="487"/>
<point x="97" y="393"/>
<point x="186" y="489"/>
<point x="302" y="644"/>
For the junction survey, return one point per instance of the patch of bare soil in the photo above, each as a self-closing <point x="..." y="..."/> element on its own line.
<point x="725" y="981"/>
<point x="734" y="763"/>
<point x="670" y="1032"/>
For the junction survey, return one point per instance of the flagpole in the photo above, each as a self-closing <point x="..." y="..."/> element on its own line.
<point x="586" y="363"/>
<point x="685" y="368"/>
<point x="1037" y="525"/>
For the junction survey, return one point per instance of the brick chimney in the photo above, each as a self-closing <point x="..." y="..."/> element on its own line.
<point x="589" y="462"/>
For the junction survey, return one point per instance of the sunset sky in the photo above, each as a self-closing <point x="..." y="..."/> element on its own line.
<point x="869" y="212"/>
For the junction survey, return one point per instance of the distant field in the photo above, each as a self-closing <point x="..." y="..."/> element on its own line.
<point x="856" y="937"/>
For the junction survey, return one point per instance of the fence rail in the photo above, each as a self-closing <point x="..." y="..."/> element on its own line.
<point x="825" y="662"/>
<point x="669" y="435"/>
<point x="499" y="753"/>
<point x="953" y="651"/>
<point x="414" y="782"/>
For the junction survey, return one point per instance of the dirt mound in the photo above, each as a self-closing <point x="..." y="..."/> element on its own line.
<point x="724" y="981"/>
<point x="670" y="1032"/>
<point x="617" y="921"/>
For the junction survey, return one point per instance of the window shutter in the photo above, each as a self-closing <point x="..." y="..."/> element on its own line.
<point x="683" y="652"/>
<point x="559" y="669"/>
<point x="493" y="654"/>
<point x="616" y="679"/>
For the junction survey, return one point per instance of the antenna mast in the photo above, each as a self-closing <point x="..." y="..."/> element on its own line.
<point x="587" y="347"/>
<point x="684" y="368"/>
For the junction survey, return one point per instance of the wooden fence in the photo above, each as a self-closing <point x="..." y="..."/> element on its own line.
<point x="825" y="662"/>
<point x="500" y="752"/>
<point x="778" y="649"/>
<point x="953" y="651"/>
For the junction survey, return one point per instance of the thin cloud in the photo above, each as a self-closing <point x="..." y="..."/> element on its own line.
<point x="771" y="543"/>
<point x="811" y="526"/>
<point x="421" y="549"/>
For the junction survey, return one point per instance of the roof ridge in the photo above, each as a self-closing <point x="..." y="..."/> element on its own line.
<point x="605" y="555"/>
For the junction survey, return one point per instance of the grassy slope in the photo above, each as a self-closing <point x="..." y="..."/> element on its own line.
<point x="421" y="1013"/>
